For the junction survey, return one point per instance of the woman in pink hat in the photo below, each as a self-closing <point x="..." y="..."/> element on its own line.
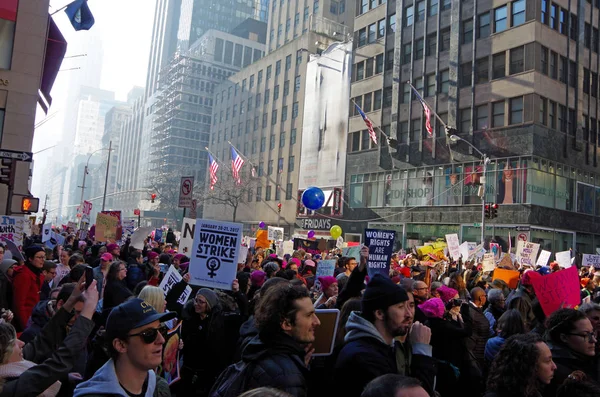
<point x="329" y="293"/>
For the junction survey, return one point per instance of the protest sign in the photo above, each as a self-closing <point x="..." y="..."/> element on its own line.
<point x="527" y="253"/>
<point x="11" y="229"/>
<point x="172" y="360"/>
<point x="243" y="254"/>
<point x="557" y="290"/>
<point x="543" y="258"/>
<point x="564" y="259"/>
<point x="489" y="262"/>
<point x="506" y="261"/>
<point x="288" y="247"/>
<point x="214" y="253"/>
<point x="339" y="242"/>
<point x="72" y="225"/>
<point x="464" y="250"/>
<point x="86" y="211"/>
<point x="262" y="239"/>
<point x="106" y="227"/>
<point x="510" y="277"/>
<point x="13" y="250"/>
<point x="45" y="232"/>
<point x="275" y="233"/>
<point x="128" y="229"/>
<point x="590" y="260"/>
<point x="55" y="239"/>
<point x="352" y="252"/>
<point x="453" y="246"/>
<point x="187" y="236"/>
<point x="495" y="249"/>
<point x="326" y="268"/>
<point x="381" y="245"/>
<point x="171" y="278"/>
<point x="139" y="236"/>
<point x="158" y="235"/>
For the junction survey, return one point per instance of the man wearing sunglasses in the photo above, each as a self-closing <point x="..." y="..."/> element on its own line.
<point x="135" y="338"/>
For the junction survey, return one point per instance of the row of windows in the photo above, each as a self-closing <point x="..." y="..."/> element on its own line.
<point x="265" y="116"/>
<point x="363" y="6"/>
<point x="289" y="193"/>
<point x="235" y="54"/>
<point x="370" y="34"/>
<point x="361" y="140"/>
<point x="416" y="12"/>
<point x="336" y="7"/>
<point x="371" y="101"/>
<point x="263" y="142"/>
<point x="368" y="68"/>
<point x="434" y="83"/>
<point x="559" y="19"/>
<point x="560" y="68"/>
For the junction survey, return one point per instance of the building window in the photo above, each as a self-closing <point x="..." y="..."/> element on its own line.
<point x="379" y="64"/>
<point x="445" y="40"/>
<point x="291" y="161"/>
<point x="293" y="137"/>
<point x="481" y="117"/>
<point x="543" y="114"/>
<point x="408" y="16"/>
<point x="466" y="74"/>
<point x="572" y="125"/>
<point x="278" y="68"/>
<point x="586" y="81"/>
<point x="284" y="114"/>
<point x="500" y="19"/>
<point x="553" y="16"/>
<point x="432" y="44"/>
<point x="544" y="16"/>
<point x="562" y="21"/>
<point x="517" y="60"/>
<point x="433" y="7"/>
<point x="387" y="97"/>
<point x="420" y="11"/>
<point x="289" y="191"/>
<point x="391" y="24"/>
<point x="465" y="120"/>
<point x="430" y="85"/>
<point x="268" y="191"/>
<point x="446" y="5"/>
<point x="499" y="65"/>
<point x="444" y="81"/>
<point x="263" y="144"/>
<point x="259" y="193"/>
<point x="286" y="88"/>
<point x="416" y="130"/>
<point x="572" y="74"/>
<point x="274" y="117"/>
<point x="562" y="71"/>
<point x="372" y="36"/>
<point x="483" y="29"/>
<point x="553" y="65"/>
<point x="297" y="84"/>
<point x="544" y="60"/>
<point x="269" y="70"/>
<point x="419" y="48"/>
<point x="552" y="114"/>
<point x="362" y="37"/>
<point x="276" y="93"/>
<point x="562" y="118"/>
<point x="573" y="27"/>
<point x="294" y="110"/>
<point x="389" y="60"/>
<point x="381" y="28"/>
<point x="406" y="53"/>
<point x="518" y="12"/>
<point x="282" y="139"/>
<point x="516" y="110"/>
<point x="482" y="72"/>
<point x="498" y="114"/>
<point x="467" y="31"/>
<point x="368" y="103"/>
<point x="405" y="93"/>
<point x="288" y="62"/>
<point x="594" y="87"/>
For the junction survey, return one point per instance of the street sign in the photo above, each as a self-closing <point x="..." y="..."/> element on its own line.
<point x="136" y="211"/>
<point x="185" y="192"/>
<point x="193" y="212"/>
<point x="13" y="154"/>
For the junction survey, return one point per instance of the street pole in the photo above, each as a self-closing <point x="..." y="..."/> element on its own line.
<point x="107" y="172"/>
<point x="483" y="183"/>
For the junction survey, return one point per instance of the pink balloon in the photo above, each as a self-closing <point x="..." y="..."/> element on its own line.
<point x="311" y="234"/>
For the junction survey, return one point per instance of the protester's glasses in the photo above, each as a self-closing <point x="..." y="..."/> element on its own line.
<point x="149" y="336"/>
<point x="588" y="336"/>
<point x="40" y="257"/>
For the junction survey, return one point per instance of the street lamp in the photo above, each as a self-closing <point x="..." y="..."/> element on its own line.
<point x="486" y="161"/>
<point x="85" y="172"/>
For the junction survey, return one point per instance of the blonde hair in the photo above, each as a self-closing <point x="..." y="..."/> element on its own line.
<point x="154" y="296"/>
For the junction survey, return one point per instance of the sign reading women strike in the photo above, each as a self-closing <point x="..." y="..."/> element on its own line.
<point x="214" y="254"/>
<point x="381" y="246"/>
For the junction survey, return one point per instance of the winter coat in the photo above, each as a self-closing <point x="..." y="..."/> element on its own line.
<point x="6" y="292"/>
<point x="39" y="318"/>
<point x="448" y="337"/>
<point x="365" y="356"/>
<point x="521" y="292"/>
<point x="115" y="293"/>
<point x="105" y="383"/>
<point x="476" y="342"/>
<point x="493" y="315"/>
<point x="135" y="275"/>
<point x="276" y="361"/>
<point x="248" y="331"/>
<point x="27" y="284"/>
<point x="54" y="363"/>
<point x="567" y="361"/>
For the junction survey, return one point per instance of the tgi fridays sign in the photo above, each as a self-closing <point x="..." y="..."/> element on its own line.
<point x="315" y="224"/>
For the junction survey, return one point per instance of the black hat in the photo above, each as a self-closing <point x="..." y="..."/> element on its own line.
<point x="32" y="250"/>
<point x="132" y="314"/>
<point x="381" y="293"/>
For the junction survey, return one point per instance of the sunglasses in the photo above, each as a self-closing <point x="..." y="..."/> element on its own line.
<point x="149" y="336"/>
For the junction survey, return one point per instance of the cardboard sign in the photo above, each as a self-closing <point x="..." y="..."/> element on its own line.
<point x="476" y="252"/>
<point x="326" y="268"/>
<point x="591" y="260"/>
<point x="172" y="361"/>
<point x="558" y="290"/>
<point x="262" y="239"/>
<point x="86" y="211"/>
<point x="453" y="246"/>
<point x="171" y="278"/>
<point x="489" y="262"/>
<point x="214" y="254"/>
<point x="187" y="236"/>
<point x="527" y="253"/>
<point x="381" y="245"/>
<point x="275" y="233"/>
<point x="510" y="277"/>
<point x="106" y="227"/>
<point x="543" y="258"/>
<point x="506" y="261"/>
<point x="564" y="259"/>
<point x="326" y="332"/>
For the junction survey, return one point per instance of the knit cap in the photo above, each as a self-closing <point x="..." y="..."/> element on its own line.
<point x="381" y="293"/>
<point x="433" y="308"/>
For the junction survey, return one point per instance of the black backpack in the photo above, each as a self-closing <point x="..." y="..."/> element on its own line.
<point x="233" y="380"/>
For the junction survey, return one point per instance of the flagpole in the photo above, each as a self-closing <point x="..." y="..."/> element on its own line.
<point x="378" y="128"/>
<point x="62" y="8"/>
<point x="430" y="108"/>
<point x="268" y="177"/>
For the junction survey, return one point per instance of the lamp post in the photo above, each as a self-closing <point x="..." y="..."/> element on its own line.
<point x="486" y="161"/>
<point x="86" y="171"/>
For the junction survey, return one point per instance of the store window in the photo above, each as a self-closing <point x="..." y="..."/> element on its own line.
<point x="8" y="18"/>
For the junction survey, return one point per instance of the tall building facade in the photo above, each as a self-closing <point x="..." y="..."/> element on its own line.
<point x="518" y="80"/>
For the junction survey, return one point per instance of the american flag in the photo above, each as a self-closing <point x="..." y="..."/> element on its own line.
<point x="369" y="124"/>
<point x="213" y="166"/>
<point x="427" y="111"/>
<point x="236" y="165"/>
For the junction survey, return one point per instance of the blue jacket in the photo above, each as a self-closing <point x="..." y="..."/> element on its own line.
<point x="492" y="347"/>
<point x="135" y="275"/>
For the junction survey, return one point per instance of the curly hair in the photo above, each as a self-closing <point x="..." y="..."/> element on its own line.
<point x="561" y="322"/>
<point x="277" y="305"/>
<point x="513" y="371"/>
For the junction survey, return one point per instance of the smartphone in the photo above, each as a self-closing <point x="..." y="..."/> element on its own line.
<point x="89" y="276"/>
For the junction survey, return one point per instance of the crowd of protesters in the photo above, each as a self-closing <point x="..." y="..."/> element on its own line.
<point x="445" y="329"/>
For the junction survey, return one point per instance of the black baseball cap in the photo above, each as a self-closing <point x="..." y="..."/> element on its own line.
<point x="132" y="314"/>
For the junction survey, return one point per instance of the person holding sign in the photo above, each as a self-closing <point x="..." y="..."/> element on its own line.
<point x="329" y="293"/>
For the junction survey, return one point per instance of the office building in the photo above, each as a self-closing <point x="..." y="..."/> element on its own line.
<point x="518" y="80"/>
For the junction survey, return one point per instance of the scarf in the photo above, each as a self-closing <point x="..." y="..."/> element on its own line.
<point x="14" y="370"/>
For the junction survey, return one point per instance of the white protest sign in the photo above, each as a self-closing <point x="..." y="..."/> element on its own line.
<point x="138" y="237"/>
<point x="326" y="268"/>
<point x="453" y="246"/>
<point x="590" y="260"/>
<point x="171" y="278"/>
<point x="288" y="247"/>
<point x="11" y="229"/>
<point x="339" y="243"/>
<point x="243" y="254"/>
<point x="214" y="253"/>
<point x="275" y="233"/>
<point x="187" y="236"/>
<point x="478" y="252"/>
<point x="564" y="259"/>
<point x="543" y="258"/>
<point x="489" y="262"/>
<point x="464" y="250"/>
<point x="527" y="253"/>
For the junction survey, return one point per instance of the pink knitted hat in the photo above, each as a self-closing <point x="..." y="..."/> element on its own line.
<point x="433" y="308"/>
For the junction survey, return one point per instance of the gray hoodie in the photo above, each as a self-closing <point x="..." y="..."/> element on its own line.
<point x="105" y="383"/>
<point x="357" y="327"/>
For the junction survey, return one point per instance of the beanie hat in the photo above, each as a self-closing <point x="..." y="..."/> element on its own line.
<point x="326" y="282"/>
<point x="106" y="257"/>
<point x="151" y="255"/>
<point x="554" y="266"/>
<point x="178" y="256"/>
<point x="396" y="279"/>
<point x="6" y="264"/>
<point x="309" y="263"/>
<point x="405" y="271"/>
<point x="381" y="293"/>
<point x="112" y="246"/>
<point x="210" y="296"/>
<point x="296" y="261"/>
<point x="446" y="293"/>
<point x="528" y="276"/>
<point x="433" y="308"/>
<point x="258" y="278"/>
<point x="31" y="251"/>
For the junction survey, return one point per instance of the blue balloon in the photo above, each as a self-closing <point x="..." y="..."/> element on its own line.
<point x="313" y="198"/>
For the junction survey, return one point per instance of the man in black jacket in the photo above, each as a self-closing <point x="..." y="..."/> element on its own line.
<point x="278" y="357"/>
<point x="370" y="346"/>
<point x="472" y="375"/>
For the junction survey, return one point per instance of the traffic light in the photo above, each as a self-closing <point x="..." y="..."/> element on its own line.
<point x="279" y="207"/>
<point x="152" y="197"/>
<point x="30" y="205"/>
<point x="488" y="213"/>
<point x="494" y="211"/>
<point x="7" y="171"/>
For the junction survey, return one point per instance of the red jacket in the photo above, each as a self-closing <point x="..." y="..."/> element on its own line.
<point x="26" y="293"/>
